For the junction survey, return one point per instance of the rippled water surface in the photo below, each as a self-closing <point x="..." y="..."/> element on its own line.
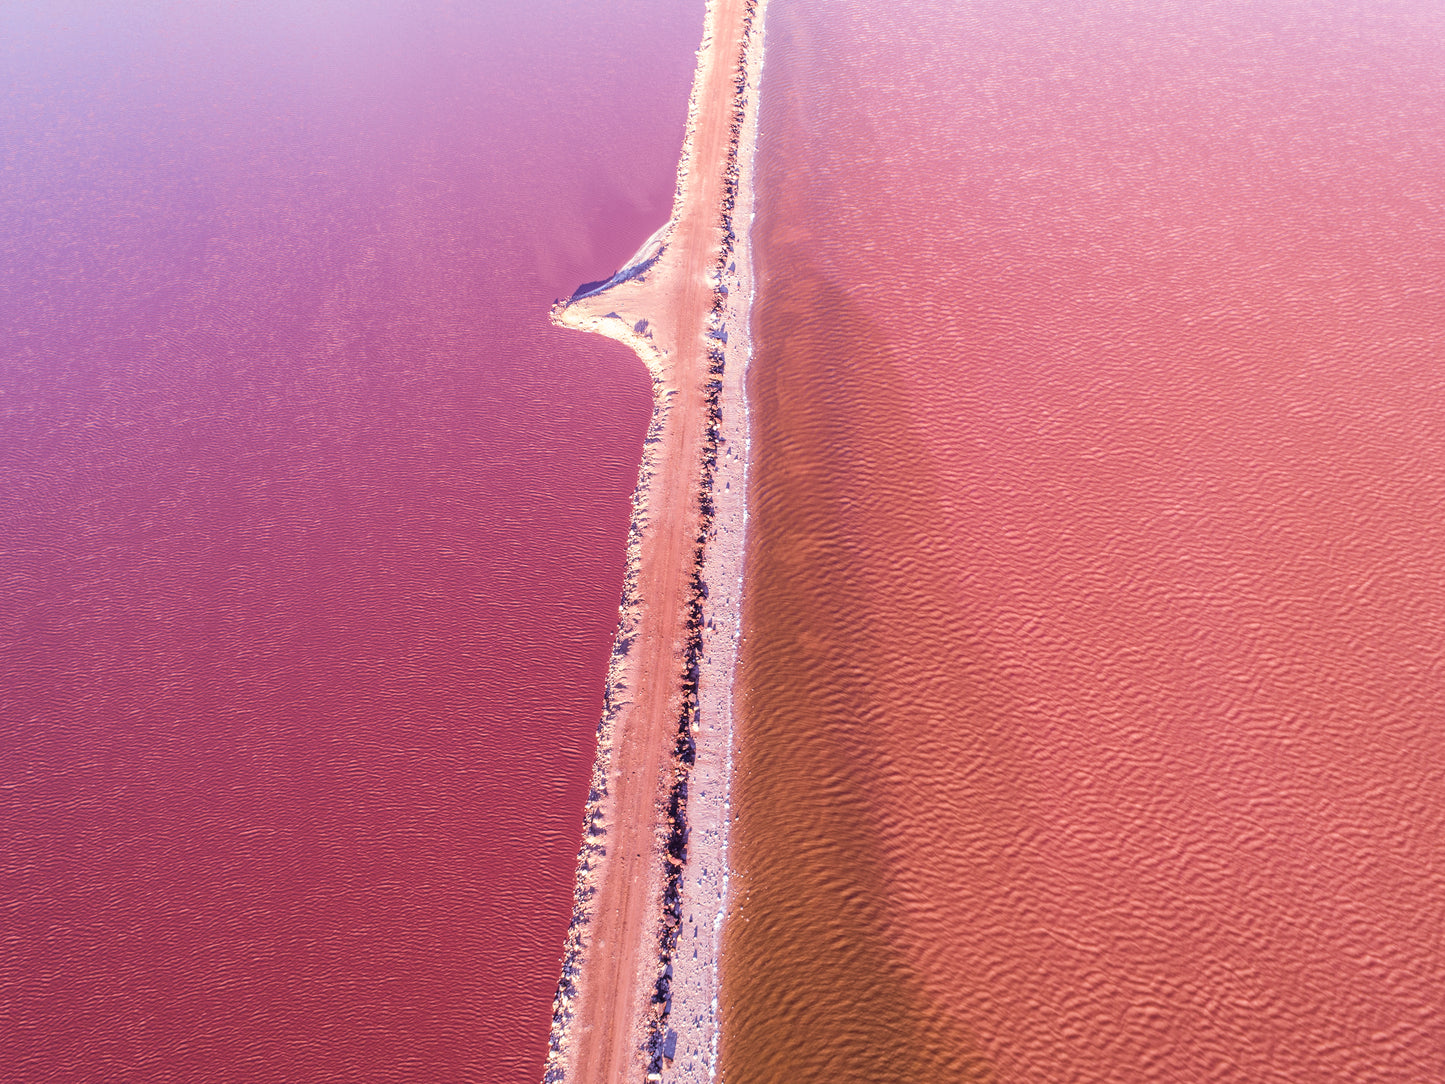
<point x="1095" y="673"/>
<point x="311" y="528"/>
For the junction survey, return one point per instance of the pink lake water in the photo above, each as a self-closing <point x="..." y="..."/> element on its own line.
<point x="311" y="527"/>
<point x="1093" y="693"/>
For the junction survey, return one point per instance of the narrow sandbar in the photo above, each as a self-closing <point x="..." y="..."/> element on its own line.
<point x="637" y="996"/>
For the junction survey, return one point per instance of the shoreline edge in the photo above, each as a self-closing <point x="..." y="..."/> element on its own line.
<point x="638" y="992"/>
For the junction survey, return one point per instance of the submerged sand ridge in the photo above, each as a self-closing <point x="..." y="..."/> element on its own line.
<point x="638" y="992"/>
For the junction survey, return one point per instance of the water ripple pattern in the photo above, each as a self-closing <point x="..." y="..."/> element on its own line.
<point x="312" y="528"/>
<point x="1094" y="675"/>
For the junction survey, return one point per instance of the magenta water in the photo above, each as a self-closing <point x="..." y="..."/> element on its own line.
<point x="311" y="528"/>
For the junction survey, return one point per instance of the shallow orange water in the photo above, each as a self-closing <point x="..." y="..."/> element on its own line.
<point x="1093" y="686"/>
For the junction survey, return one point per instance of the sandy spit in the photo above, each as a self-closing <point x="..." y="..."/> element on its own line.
<point x="638" y="993"/>
<point x="695" y="1025"/>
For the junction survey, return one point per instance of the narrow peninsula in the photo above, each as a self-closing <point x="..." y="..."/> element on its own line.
<point x="638" y="992"/>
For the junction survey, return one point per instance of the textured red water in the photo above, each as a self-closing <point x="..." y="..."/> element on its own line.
<point x="311" y="528"/>
<point x="1095" y="678"/>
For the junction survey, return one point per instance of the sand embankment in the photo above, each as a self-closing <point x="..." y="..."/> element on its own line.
<point x="638" y="993"/>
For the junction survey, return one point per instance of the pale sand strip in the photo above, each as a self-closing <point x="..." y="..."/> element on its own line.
<point x="682" y="305"/>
